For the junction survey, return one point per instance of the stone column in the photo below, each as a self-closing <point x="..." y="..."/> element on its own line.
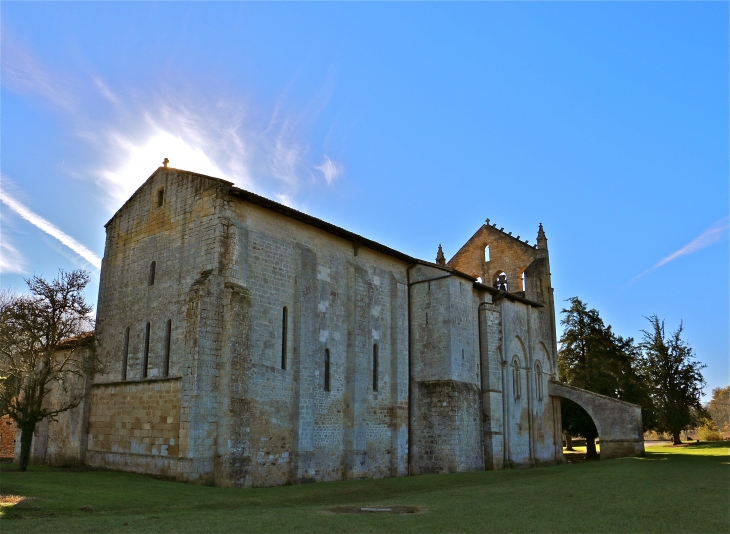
<point x="233" y="448"/>
<point x="305" y="360"/>
<point x="199" y="397"/>
<point x="490" y="334"/>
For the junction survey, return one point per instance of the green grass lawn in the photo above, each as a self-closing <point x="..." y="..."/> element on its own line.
<point x="672" y="489"/>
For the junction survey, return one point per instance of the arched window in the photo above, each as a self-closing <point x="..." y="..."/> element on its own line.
<point x="486" y="253"/>
<point x="151" y="280"/>
<point x="284" y="318"/>
<point x="375" y="367"/>
<point x="538" y="380"/>
<point x="501" y="281"/>
<point x="516" y="382"/>
<point x="125" y="354"/>
<point x="168" y="337"/>
<point x="146" y="359"/>
<point x="326" y="369"/>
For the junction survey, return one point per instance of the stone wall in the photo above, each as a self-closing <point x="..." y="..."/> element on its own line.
<point x="340" y="300"/>
<point x="528" y="365"/>
<point x="7" y="438"/>
<point x="507" y="254"/>
<point x="173" y="220"/>
<point x="135" y="425"/>
<point x="446" y="411"/>
<point x="287" y="356"/>
<point x="61" y="440"/>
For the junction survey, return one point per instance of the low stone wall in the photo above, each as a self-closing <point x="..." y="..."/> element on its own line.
<point x="7" y="438"/>
<point x="135" y="426"/>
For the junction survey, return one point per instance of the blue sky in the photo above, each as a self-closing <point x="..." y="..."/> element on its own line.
<point x="409" y="123"/>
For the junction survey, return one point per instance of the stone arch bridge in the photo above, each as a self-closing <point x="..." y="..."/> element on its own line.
<point x="618" y="423"/>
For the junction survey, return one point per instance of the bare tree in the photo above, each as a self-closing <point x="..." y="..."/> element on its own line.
<point x="46" y="342"/>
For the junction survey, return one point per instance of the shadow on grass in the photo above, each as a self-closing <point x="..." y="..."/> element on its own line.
<point x="707" y="445"/>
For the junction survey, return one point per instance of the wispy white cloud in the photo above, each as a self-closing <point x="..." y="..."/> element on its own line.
<point x="104" y="91"/>
<point x="45" y="226"/>
<point x="713" y="234"/>
<point x="25" y="73"/>
<point x="218" y="136"/>
<point x="11" y="260"/>
<point x="131" y="130"/>
<point x="330" y="169"/>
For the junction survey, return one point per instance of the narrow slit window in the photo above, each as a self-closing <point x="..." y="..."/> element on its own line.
<point x="375" y="367"/>
<point x="153" y="267"/>
<point x="516" y="385"/>
<point x="168" y="337"/>
<point x="538" y="381"/>
<point x="125" y="354"/>
<point x="146" y="359"/>
<point x="326" y="369"/>
<point x="283" y="337"/>
<point x="524" y="282"/>
<point x="160" y="197"/>
<point x="486" y="253"/>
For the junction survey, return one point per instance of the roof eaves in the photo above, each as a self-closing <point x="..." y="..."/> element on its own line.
<point x="357" y="240"/>
<point x="499" y="294"/>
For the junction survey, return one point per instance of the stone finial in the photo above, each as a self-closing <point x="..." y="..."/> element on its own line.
<point x="440" y="258"/>
<point x="165" y="162"/>
<point x="487" y="222"/>
<point x="541" y="239"/>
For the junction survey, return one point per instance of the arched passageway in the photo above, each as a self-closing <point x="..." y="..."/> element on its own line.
<point x="578" y="422"/>
<point x="618" y="423"/>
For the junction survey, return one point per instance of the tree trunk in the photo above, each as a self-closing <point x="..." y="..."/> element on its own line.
<point x="569" y="442"/>
<point x="591" y="453"/>
<point x="675" y="438"/>
<point x="26" y="439"/>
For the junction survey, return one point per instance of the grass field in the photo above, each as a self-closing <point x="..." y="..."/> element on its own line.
<point x="672" y="489"/>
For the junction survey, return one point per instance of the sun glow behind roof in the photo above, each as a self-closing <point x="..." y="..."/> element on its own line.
<point x="143" y="158"/>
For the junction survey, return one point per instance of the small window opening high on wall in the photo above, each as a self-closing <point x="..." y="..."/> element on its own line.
<point x="160" y="197"/>
<point x="375" y="367"/>
<point x="284" y="318"/>
<point x="125" y="354"/>
<point x="516" y="380"/>
<point x="326" y="369"/>
<point x="168" y="339"/>
<point x="146" y="359"/>
<point x="151" y="280"/>
<point x="486" y="253"/>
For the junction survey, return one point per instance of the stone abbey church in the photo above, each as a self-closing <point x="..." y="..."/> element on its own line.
<point x="249" y="344"/>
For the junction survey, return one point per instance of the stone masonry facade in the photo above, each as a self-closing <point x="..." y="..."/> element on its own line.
<point x="248" y="344"/>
